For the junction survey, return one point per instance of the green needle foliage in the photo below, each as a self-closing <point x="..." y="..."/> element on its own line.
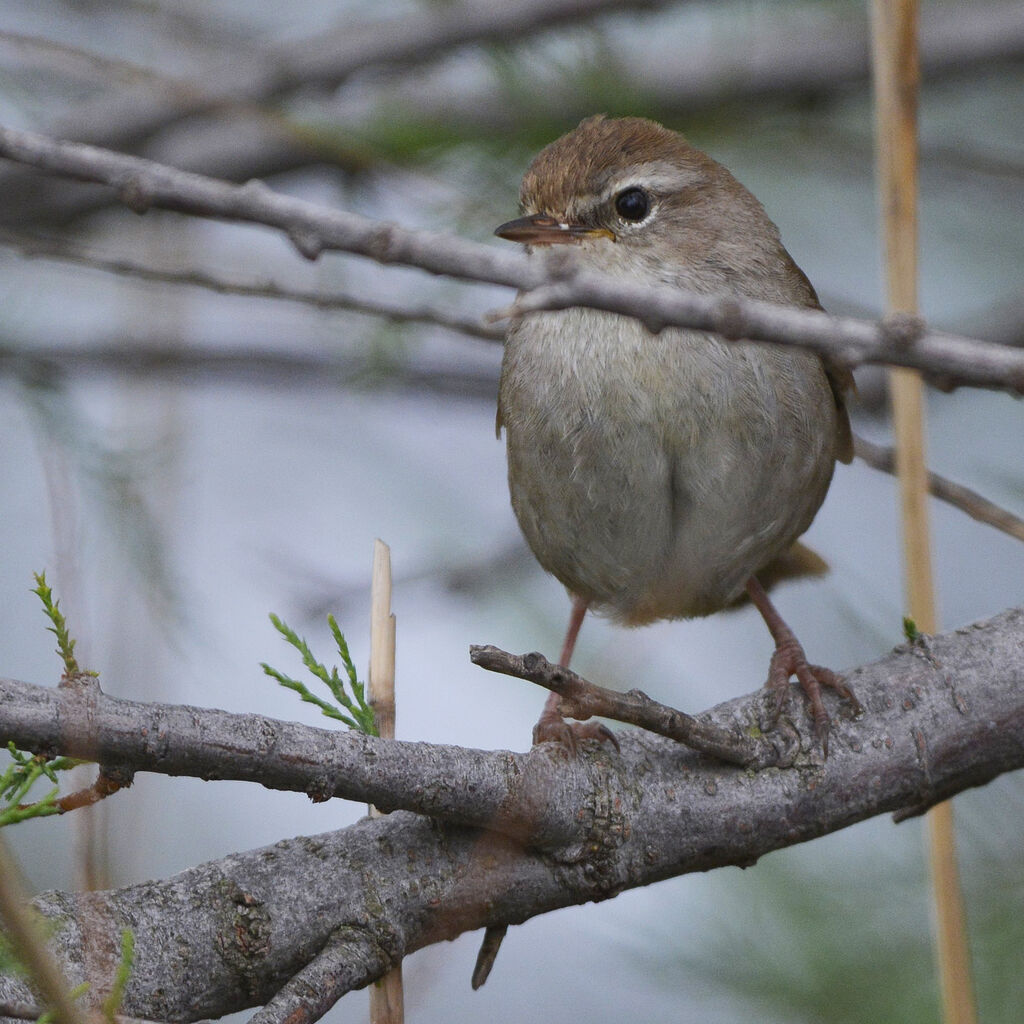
<point x="65" y="642"/>
<point x="360" y="716"/>
<point x="20" y="776"/>
<point x="26" y="769"/>
<point x="112" y="1004"/>
<point x="76" y="993"/>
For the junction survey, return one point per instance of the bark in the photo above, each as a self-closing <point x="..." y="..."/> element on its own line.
<point x="509" y="835"/>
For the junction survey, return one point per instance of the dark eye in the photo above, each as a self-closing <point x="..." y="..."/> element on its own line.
<point x="632" y="204"/>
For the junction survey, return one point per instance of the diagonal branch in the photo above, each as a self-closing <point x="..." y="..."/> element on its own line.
<point x="34" y="246"/>
<point x="352" y="958"/>
<point x="582" y="700"/>
<point x="969" y="501"/>
<point x="553" y="283"/>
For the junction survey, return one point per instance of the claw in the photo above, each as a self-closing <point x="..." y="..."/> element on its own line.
<point x="552" y="728"/>
<point x="789" y="660"/>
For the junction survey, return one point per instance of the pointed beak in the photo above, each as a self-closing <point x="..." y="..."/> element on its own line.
<point x="540" y="229"/>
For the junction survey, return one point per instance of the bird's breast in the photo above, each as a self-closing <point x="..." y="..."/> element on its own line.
<point x="653" y="474"/>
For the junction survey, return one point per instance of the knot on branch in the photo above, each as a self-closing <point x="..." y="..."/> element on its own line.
<point x="729" y="319"/>
<point x="944" y="382"/>
<point x="114" y="777"/>
<point x="560" y="263"/>
<point x="381" y="243"/>
<point x="320" y="789"/>
<point x="902" y="330"/>
<point x="242" y="938"/>
<point x="135" y="195"/>
<point x="307" y="242"/>
<point x="254" y="189"/>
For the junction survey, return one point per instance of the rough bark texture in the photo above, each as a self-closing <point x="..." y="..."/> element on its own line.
<point x="941" y="715"/>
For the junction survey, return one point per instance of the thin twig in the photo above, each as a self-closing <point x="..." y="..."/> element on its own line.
<point x="976" y="505"/>
<point x="252" y="364"/>
<point x="948" y="359"/>
<point x="582" y="700"/>
<point x="107" y="783"/>
<point x="48" y="54"/>
<point x="50" y="248"/>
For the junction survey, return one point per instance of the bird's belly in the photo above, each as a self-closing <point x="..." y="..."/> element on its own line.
<point x="638" y="480"/>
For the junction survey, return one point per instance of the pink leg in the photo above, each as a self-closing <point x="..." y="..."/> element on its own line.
<point x="579" y="610"/>
<point x="551" y="725"/>
<point x="789" y="660"/>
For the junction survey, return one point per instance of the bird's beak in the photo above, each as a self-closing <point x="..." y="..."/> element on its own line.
<point x="541" y="229"/>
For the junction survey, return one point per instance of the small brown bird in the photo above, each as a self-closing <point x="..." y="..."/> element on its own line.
<point x="657" y="475"/>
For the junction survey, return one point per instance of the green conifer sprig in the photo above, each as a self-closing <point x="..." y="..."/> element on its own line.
<point x="360" y="714"/>
<point x="20" y="776"/>
<point x="65" y="642"/>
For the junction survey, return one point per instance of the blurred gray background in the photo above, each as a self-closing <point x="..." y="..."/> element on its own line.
<point x="246" y="464"/>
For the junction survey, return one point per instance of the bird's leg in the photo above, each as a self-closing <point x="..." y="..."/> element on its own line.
<point x="579" y="610"/>
<point x="789" y="660"/>
<point x="551" y="725"/>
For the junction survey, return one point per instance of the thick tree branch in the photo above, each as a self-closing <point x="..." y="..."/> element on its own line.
<point x="941" y="715"/>
<point x="553" y="283"/>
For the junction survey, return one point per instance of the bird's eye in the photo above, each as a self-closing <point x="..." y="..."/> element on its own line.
<point x="633" y="204"/>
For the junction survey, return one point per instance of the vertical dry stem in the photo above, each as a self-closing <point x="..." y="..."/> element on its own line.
<point x="28" y="945"/>
<point x="895" y="62"/>
<point x="387" y="1002"/>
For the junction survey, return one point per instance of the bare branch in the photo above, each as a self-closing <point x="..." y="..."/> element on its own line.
<point x="74" y="60"/>
<point x="582" y="700"/>
<point x="802" y="56"/>
<point x="57" y="249"/>
<point x="941" y="715"/>
<point x="976" y="505"/>
<point x="553" y="283"/>
<point x="211" y="744"/>
<point x="352" y="958"/>
<point x="252" y="364"/>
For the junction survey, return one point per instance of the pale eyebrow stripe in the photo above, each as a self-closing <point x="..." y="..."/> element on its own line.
<point x="659" y="176"/>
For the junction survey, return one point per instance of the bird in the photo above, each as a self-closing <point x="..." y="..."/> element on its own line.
<point x="664" y="476"/>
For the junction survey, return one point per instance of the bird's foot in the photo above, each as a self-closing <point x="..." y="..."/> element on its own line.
<point x="789" y="660"/>
<point x="551" y="727"/>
